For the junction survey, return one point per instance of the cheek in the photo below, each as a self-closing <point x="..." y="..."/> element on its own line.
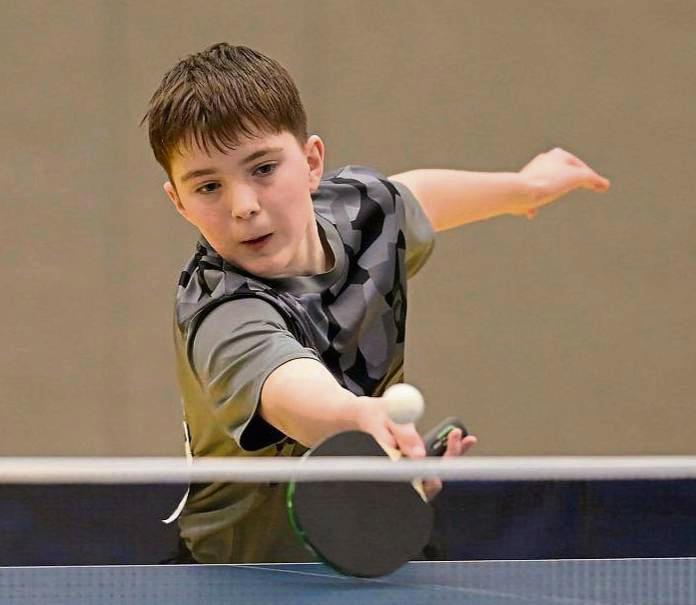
<point x="209" y="223"/>
<point x="299" y="215"/>
<point x="211" y="214"/>
<point x="293" y="206"/>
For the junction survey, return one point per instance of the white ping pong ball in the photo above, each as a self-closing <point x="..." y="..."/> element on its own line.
<point x="404" y="403"/>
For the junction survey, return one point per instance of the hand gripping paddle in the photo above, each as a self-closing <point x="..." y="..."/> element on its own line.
<point x="364" y="528"/>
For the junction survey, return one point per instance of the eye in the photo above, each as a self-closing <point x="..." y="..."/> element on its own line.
<point x="265" y="169"/>
<point x="208" y="188"/>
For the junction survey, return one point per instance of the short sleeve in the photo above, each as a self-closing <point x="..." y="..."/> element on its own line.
<point x="418" y="231"/>
<point x="420" y="235"/>
<point x="236" y="347"/>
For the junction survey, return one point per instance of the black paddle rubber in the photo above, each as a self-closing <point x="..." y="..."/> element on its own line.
<point x="362" y="528"/>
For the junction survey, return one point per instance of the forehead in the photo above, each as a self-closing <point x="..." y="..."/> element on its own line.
<point x="192" y="156"/>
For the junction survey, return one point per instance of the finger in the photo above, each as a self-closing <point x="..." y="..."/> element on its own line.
<point x="454" y="440"/>
<point x="385" y="438"/>
<point x="594" y="181"/>
<point x="381" y="431"/>
<point x="432" y="487"/>
<point x="467" y="443"/>
<point x="531" y="213"/>
<point x="602" y="184"/>
<point x="408" y="440"/>
<point x="458" y="445"/>
<point x="576" y="161"/>
<point x="461" y="446"/>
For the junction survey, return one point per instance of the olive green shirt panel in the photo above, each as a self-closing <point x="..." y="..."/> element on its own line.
<point x="419" y="232"/>
<point x="236" y="347"/>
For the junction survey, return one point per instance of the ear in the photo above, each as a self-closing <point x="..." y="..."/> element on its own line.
<point x="314" y="151"/>
<point x="173" y="196"/>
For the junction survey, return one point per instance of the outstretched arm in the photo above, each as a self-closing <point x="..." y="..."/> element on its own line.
<point x="303" y="400"/>
<point x="451" y="198"/>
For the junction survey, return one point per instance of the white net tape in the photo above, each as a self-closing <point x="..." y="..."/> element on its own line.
<point x="262" y="469"/>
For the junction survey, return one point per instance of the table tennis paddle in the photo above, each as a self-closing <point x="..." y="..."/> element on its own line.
<point x="364" y="528"/>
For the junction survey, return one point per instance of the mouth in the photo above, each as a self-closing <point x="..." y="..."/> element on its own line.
<point x="257" y="242"/>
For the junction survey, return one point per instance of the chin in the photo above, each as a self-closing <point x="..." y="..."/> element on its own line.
<point x="268" y="270"/>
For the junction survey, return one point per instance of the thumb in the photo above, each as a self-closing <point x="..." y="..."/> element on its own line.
<point x="595" y="182"/>
<point x="408" y="440"/>
<point x="603" y="184"/>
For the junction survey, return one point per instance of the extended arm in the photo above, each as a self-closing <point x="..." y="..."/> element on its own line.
<point x="303" y="400"/>
<point x="451" y="198"/>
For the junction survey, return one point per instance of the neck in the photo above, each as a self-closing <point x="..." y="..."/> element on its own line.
<point x="316" y="256"/>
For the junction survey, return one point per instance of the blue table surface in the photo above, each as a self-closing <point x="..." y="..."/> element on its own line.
<point x="561" y="582"/>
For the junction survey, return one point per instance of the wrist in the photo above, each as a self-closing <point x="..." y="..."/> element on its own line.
<point x="527" y="193"/>
<point x="369" y="415"/>
<point x="361" y="412"/>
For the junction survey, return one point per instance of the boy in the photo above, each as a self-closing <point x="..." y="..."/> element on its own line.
<point x="290" y="316"/>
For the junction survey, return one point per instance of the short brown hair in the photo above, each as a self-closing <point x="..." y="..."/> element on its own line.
<point x="216" y="96"/>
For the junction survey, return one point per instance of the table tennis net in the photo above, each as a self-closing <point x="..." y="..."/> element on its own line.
<point x="629" y="518"/>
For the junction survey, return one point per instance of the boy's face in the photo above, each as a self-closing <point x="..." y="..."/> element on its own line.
<point x="253" y="204"/>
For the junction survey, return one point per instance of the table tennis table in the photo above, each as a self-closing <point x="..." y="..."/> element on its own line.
<point x="557" y="582"/>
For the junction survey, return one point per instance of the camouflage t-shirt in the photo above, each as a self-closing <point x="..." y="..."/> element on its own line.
<point x="233" y="329"/>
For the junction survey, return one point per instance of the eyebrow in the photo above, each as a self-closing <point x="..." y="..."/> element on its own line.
<point x="196" y="173"/>
<point x="250" y="158"/>
<point x="259" y="153"/>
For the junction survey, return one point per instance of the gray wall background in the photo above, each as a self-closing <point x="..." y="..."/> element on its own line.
<point x="572" y="333"/>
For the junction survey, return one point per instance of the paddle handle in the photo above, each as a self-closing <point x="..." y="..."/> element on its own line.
<point x="436" y="439"/>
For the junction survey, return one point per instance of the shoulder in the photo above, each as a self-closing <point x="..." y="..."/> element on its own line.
<point x="235" y="328"/>
<point x="356" y="175"/>
<point x="234" y="314"/>
<point x="358" y="184"/>
<point x="356" y="172"/>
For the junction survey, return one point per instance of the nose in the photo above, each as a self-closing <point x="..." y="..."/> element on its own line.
<point x="243" y="203"/>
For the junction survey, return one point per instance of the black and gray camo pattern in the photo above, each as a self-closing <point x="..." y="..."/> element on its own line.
<point x="357" y="325"/>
